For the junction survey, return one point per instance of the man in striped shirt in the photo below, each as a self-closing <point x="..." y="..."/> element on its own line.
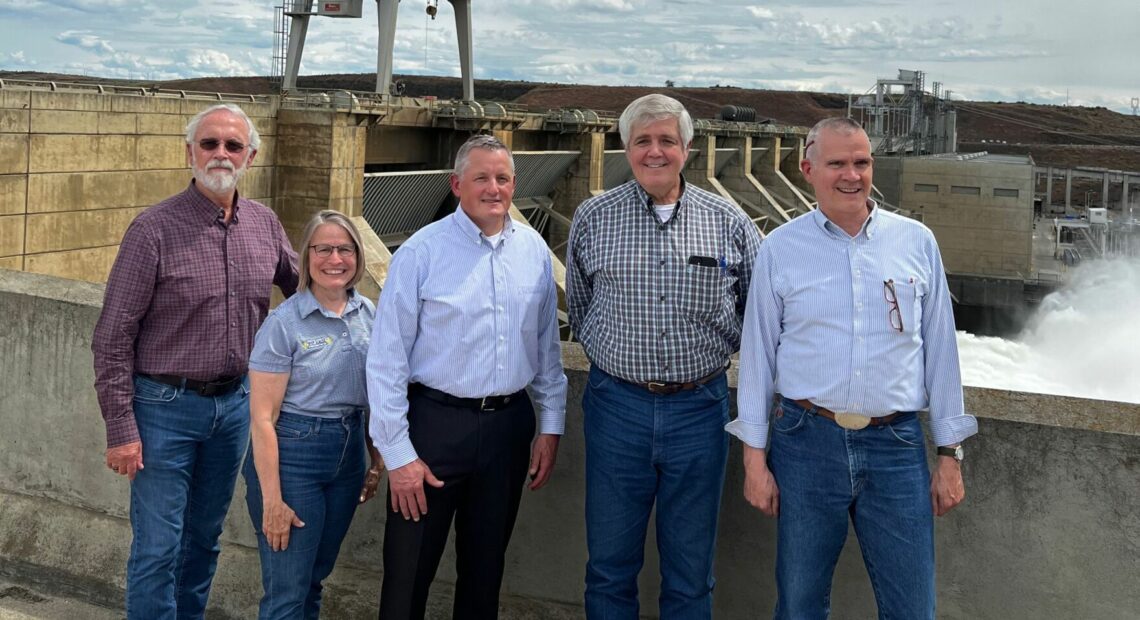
<point x="849" y="321"/>
<point x="657" y="272"/>
<point x="466" y="323"/>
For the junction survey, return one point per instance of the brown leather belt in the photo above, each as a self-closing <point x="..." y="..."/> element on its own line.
<point x="830" y="415"/>
<point x="664" y="389"/>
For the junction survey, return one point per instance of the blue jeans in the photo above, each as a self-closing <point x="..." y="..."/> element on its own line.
<point x="878" y="478"/>
<point x="321" y="468"/>
<point x="192" y="447"/>
<point x="642" y="448"/>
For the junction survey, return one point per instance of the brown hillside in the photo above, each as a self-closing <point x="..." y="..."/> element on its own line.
<point x="1063" y="136"/>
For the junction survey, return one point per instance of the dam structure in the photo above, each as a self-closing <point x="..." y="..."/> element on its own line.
<point x="1049" y="527"/>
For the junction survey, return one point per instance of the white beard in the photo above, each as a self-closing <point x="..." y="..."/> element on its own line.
<point x="218" y="183"/>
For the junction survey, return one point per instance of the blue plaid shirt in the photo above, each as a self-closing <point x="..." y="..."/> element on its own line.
<point x="653" y="301"/>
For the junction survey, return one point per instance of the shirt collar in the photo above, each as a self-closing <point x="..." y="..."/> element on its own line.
<point x="644" y="198"/>
<point x="870" y="225"/>
<point x="308" y="304"/>
<point x="206" y="207"/>
<point x="472" y="232"/>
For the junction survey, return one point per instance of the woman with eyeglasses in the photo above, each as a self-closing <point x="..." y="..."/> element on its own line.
<point x="306" y="471"/>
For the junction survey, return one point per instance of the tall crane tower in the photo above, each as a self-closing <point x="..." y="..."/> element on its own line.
<point x="291" y="35"/>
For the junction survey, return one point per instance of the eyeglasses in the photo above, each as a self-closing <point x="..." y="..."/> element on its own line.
<point x="232" y="146"/>
<point x="324" y="250"/>
<point x="894" y="315"/>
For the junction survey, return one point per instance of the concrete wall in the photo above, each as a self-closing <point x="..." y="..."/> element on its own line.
<point x="75" y="169"/>
<point x="979" y="234"/>
<point x="1050" y="527"/>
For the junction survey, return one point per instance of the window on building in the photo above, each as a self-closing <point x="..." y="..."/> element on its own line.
<point x="926" y="187"/>
<point x="965" y="190"/>
<point x="1003" y="192"/>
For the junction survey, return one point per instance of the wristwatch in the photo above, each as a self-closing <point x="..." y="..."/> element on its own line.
<point x="956" y="452"/>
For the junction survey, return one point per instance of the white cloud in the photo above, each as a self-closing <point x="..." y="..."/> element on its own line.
<point x="972" y="46"/>
<point x="85" y="40"/>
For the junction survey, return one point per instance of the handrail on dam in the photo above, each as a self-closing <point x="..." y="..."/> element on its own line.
<point x="119" y="89"/>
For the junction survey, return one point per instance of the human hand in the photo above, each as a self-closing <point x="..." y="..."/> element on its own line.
<point x="125" y="460"/>
<point x="946" y="487"/>
<point x="277" y="521"/>
<point x="406" y="484"/>
<point x="543" y="454"/>
<point x="759" y="485"/>
<point x="371" y="481"/>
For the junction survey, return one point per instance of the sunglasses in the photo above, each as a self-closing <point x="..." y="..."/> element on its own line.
<point x="232" y="146"/>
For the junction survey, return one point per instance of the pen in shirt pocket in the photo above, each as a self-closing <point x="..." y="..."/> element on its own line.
<point x="723" y="265"/>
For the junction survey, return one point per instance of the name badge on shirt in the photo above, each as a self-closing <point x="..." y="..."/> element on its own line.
<point x="309" y="344"/>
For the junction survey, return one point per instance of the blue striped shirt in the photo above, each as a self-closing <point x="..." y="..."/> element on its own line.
<point x="322" y="352"/>
<point x="818" y="326"/>
<point x="468" y="319"/>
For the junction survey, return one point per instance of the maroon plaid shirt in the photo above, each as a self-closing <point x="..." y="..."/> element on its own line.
<point x="185" y="297"/>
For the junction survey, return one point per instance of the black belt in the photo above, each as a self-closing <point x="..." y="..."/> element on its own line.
<point x="216" y="387"/>
<point x="487" y="403"/>
<point x="665" y="389"/>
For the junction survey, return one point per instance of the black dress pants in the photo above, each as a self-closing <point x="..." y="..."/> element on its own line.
<point x="482" y="458"/>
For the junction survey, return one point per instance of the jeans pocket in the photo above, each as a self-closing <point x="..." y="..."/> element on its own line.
<point x="787" y="420"/>
<point x="597" y="379"/>
<point x="908" y="432"/>
<point x="290" y="428"/>
<point x="147" y="391"/>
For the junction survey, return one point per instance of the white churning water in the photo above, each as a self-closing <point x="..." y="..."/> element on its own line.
<point x="1083" y="340"/>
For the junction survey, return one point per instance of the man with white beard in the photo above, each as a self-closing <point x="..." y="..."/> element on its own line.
<point x="188" y="290"/>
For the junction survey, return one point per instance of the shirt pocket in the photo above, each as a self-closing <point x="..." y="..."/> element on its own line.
<point x="910" y="307"/>
<point x="529" y="301"/>
<point x="702" y="291"/>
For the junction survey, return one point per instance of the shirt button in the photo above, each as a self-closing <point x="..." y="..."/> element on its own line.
<point x="502" y="337"/>
<point x="234" y="324"/>
<point x="344" y="333"/>
<point x="662" y="263"/>
<point x="858" y="374"/>
<point x="500" y="367"/>
<point x="662" y="298"/>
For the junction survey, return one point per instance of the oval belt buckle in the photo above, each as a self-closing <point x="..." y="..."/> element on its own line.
<point x="852" y="421"/>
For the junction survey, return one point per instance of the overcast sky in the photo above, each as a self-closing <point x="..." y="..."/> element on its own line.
<point x="1040" y="51"/>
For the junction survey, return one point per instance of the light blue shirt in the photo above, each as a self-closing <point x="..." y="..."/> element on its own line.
<point x="323" y="353"/>
<point x="465" y="318"/>
<point x="818" y="326"/>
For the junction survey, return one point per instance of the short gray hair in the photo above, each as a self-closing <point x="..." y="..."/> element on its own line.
<point x="192" y="126"/>
<point x="329" y="216"/>
<point x="480" y="141"/>
<point x="839" y="124"/>
<point x="653" y="108"/>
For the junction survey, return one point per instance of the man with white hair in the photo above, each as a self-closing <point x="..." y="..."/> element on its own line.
<point x="657" y="273"/>
<point x="185" y="296"/>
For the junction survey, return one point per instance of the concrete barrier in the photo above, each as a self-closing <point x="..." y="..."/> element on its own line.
<point x="1050" y="527"/>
